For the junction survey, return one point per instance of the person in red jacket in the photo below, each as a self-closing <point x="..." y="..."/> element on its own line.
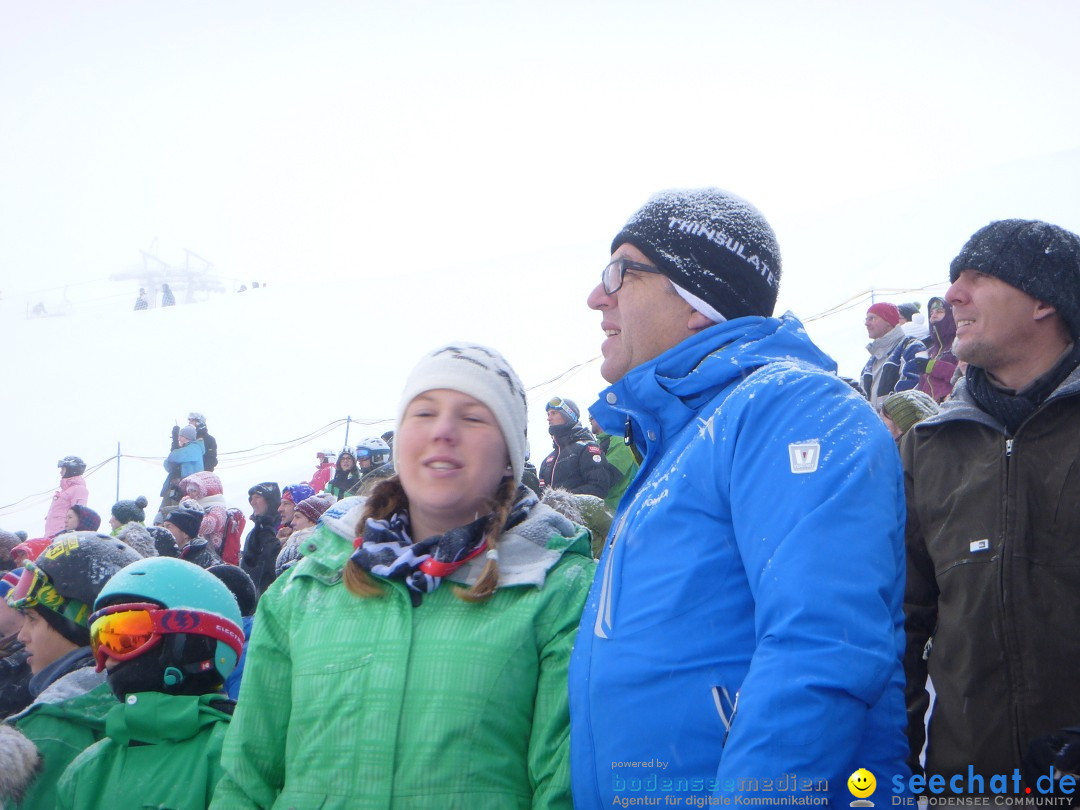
<point x="325" y="469"/>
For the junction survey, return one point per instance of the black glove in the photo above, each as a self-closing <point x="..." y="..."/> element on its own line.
<point x="175" y="437"/>
<point x="1058" y="751"/>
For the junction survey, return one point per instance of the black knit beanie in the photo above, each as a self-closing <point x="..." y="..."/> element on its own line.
<point x="187" y="520"/>
<point x="1038" y="258"/>
<point x="711" y="243"/>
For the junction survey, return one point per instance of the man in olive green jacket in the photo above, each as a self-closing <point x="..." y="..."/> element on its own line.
<point x="993" y="504"/>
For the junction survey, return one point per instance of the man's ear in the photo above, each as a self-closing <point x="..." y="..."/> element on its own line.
<point x="1043" y="310"/>
<point x="698" y="321"/>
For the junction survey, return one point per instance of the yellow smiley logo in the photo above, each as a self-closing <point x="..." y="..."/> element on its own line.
<point x="861" y="783"/>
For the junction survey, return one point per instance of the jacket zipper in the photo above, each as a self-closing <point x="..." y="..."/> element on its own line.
<point x="1005" y="550"/>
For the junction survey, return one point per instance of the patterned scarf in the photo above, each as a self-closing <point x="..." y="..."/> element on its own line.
<point x="386" y="549"/>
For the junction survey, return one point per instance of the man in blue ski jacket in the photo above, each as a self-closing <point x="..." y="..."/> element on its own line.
<point x="744" y="635"/>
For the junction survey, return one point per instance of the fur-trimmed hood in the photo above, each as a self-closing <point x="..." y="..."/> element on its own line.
<point x="19" y="764"/>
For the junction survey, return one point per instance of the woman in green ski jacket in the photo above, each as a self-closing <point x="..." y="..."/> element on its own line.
<point x="417" y="656"/>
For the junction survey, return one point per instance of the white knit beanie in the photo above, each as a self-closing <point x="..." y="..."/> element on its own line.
<point x="482" y="373"/>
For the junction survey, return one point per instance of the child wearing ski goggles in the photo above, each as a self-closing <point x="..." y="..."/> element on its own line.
<point x="123" y="632"/>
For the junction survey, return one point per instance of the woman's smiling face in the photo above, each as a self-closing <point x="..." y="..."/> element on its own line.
<point x="451" y="458"/>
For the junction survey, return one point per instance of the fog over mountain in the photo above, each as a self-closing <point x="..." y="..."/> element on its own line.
<point x="277" y="370"/>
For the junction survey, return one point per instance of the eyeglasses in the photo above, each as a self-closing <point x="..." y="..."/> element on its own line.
<point x="127" y="631"/>
<point x="612" y="277"/>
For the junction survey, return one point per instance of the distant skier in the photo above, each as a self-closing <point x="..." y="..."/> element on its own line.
<point x="141" y="302"/>
<point x="167" y="297"/>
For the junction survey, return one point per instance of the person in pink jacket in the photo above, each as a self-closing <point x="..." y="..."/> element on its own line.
<point x="72" y="491"/>
<point x="205" y="487"/>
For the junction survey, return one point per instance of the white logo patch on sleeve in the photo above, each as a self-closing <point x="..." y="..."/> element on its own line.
<point x="804" y="456"/>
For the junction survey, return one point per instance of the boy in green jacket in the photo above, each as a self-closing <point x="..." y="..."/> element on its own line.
<point x="168" y="634"/>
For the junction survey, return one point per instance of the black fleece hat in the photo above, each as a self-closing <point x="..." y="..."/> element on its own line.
<point x="711" y="243"/>
<point x="1037" y="258"/>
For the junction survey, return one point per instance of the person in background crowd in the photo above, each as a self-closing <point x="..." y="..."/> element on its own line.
<point x="205" y="488"/>
<point x="72" y="491"/>
<point x="8" y="542"/>
<point x="993" y="511"/>
<point x="912" y="321"/>
<point x="619" y="456"/>
<point x="585" y="510"/>
<point x="247" y="600"/>
<point x="529" y="476"/>
<point x="171" y="713"/>
<point x="185" y="458"/>
<point x="56" y="594"/>
<point x="139" y="538"/>
<point x="164" y="543"/>
<point x="894" y="363"/>
<point x="577" y="463"/>
<point x="183" y="523"/>
<point x="142" y="302"/>
<point x="372" y="452"/>
<point x="747" y="618"/>
<point x="127" y="520"/>
<point x="346" y="475"/>
<point x="125" y="512"/>
<point x="210" y="459"/>
<point x="324" y="470"/>
<point x="82" y="519"/>
<point x="905" y="409"/>
<point x="15" y="670"/>
<point x="305" y="518"/>
<point x="460" y="596"/>
<point x="937" y="380"/>
<point x="29" y="550"/>
<point x="261" y="546"/>
<point x="374" y="462"/>
<point x="290" y="496"/>
<point x="167" y="297"/>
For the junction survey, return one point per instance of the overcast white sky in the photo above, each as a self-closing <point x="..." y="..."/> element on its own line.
<point x="394" y="145"/>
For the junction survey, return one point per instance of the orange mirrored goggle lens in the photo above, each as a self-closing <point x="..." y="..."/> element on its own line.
<point x="123" y="633"/>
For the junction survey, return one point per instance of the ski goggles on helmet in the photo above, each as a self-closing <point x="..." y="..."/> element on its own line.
<point x="34" y="589"/>
<point x="564" y="407"/>
<point x="127" y="631"/>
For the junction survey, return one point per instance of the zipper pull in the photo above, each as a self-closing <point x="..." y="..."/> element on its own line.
<point x="1008" y="448"/>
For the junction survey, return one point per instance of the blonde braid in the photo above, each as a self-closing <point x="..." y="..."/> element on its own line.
<point x="385" y="499"/>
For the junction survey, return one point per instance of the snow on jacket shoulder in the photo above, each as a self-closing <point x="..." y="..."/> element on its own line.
<point x="450" y="704"/>
<point x="72" y="491"/>
<point x="753" y="579"/>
